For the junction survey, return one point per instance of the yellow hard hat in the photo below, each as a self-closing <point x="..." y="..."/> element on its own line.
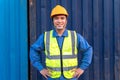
<point x="58" y="10"/>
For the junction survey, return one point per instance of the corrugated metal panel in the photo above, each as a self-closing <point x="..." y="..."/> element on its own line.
<point x="117" y="38"/>
<point x="97" y="20"/>
<point x="13" y="41"/>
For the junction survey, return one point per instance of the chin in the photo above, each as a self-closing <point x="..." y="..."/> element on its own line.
<point x="59" y="28"/>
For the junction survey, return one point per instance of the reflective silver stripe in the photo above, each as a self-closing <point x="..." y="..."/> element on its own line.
<point x="58" y="56"/>
<point x="53" y="57"/>
<point x="48" y="42"/>
<point x="73" y="42"/>
<point x="64" y="68"/>
<point x="63" y="56"/>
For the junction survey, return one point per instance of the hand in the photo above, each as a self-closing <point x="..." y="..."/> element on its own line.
<point x="45" y="73"/>
<point x="78" y="72"/>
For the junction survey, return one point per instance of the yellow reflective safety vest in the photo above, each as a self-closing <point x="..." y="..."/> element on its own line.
<point x="61" y="61"/>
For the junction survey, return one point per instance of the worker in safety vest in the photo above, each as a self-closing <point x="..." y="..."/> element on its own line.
<point x="61" y="47"/>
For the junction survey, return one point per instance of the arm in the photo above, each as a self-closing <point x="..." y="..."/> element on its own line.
<point x="35" y="51"/>
<point x="86" y="52"/>
<point x="86" y="55"/>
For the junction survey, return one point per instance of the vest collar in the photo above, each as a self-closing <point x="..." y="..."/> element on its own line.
<point x="65" y="34"/>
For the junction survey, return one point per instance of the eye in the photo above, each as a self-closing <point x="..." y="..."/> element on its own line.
<point x="62" y="18"/>
<point x="55" y="18"/>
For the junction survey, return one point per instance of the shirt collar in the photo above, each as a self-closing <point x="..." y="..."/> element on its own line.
<point x="55" y="34"/>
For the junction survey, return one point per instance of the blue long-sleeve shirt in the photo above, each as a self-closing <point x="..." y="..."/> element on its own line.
<point x="38" y="47"/>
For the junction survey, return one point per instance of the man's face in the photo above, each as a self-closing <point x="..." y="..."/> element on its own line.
<point x="60" y="22"/>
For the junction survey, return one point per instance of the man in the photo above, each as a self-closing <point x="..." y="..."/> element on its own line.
<point x="61" y="47"/>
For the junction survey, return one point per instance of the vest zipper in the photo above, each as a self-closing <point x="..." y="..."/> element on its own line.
<point x="61" y="61"/>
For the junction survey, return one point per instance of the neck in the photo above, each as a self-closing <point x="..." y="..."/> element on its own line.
<point x="60" y="31"/>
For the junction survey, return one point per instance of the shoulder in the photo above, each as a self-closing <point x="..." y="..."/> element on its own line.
<point x="72" y="31"/>
<point x="49" y="31"/>
<point x="78" y="34"/>
<point x="41" y="36"/>
<point x="80" y="37"/>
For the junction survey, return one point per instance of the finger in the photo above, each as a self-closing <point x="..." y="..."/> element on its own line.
<point x="73" y="70"/>
<point x="45" y="76"/>
<point x="75" y="74"/>
<point x="48" y="74"/>
<point x="78" y="75"/>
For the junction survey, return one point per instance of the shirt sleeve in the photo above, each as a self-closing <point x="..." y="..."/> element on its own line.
<point x="35" y="50"/>
<point x="86" y="50"/>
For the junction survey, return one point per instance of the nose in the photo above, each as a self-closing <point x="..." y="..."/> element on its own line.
<point x="59" y="20"/>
